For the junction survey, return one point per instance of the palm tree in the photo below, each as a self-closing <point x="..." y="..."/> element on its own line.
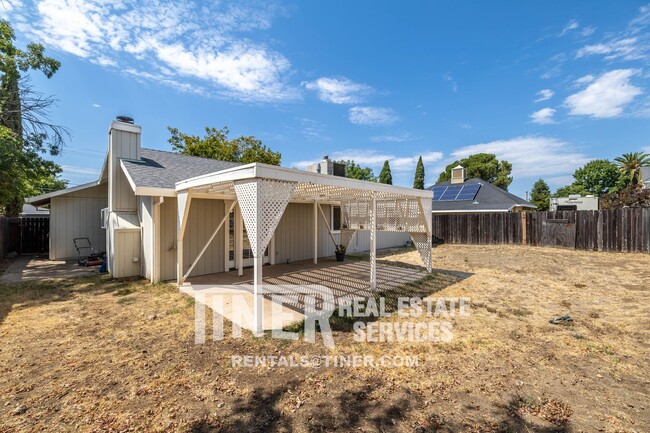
<point x="630" y="165"/>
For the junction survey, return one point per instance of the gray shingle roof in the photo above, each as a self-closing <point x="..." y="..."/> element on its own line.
<point x="489" y="198"/>
<point x="161" y="169"/>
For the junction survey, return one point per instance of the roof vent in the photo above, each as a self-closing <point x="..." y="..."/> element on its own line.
<point x="125" y="119"/>
<point x="458" y="174"/>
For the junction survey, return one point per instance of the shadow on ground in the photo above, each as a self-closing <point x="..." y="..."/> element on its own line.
<point x="358" y="410"/>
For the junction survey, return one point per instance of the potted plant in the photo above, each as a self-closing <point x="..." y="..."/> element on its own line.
<point x="340" y="252"/>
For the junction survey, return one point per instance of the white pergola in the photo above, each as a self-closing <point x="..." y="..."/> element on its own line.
<point x="262" y="193"/>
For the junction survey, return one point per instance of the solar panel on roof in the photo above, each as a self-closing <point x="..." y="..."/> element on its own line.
<point x="451" y="192"/>
<point x="438" y="191"/>
<point x="455" y="192"/>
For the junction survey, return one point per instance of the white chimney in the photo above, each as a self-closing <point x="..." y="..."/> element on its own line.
<point x="123" y="143"/>
<point x="458" y="174"/>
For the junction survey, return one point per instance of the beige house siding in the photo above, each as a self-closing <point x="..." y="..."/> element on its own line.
<point x="123" y="144"/>
<point x="77" y="215"/>
<point x="127" y="243"/>
<point x="205" y="215"/>
<point x="167" y="242"/>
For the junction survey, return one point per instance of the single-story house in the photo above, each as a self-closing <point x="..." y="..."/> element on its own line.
<point x="166" y="216"/>
<point x="33" y="211"/>
<point x="461" y="195"/>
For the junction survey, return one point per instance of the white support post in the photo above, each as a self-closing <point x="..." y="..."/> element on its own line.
<point x="315" y="232"/>
<point x="373" y="244"/>
<point x="226" y="239"/>
<point x="184" y="202"/>
<point x="258" y="298"/>
<point x="239" y="242"/>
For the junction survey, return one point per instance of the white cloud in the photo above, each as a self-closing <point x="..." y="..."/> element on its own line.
<point x="465" y="125"/>
<point x="174" y="43"/>
<point x="586" y="79"/>
<point x="627" y="49"/>
<point x="646" y="149"/>
<point x="449" y="78"/>
<point x="531" y="156"/>
<point x="588" y="31"/>
<point x="544" y="95"/>
<point x="97" y="106"/>
<point x="339" y="90"/>
<point x="543" y="116"/>
<point x="395" y="138"/>
<point x="606" y="96"/>
<point x="372" y="116"/>
<point x="571" y="25"/>
<point x="6" y="6"/>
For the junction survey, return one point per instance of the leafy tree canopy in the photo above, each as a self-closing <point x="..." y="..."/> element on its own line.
<point x="385" y="176"/>
<point x="540" y="196"/>
<point x="484" y="166"/>
<point x="632" y="196"/>
<point x="25" y="133"/>
<point x="596" y="177"/>
<point x="354" y="171"/>
<point x="216" y="145"/>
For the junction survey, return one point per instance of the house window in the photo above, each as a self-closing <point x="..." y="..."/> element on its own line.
<point x="336" y="218"/>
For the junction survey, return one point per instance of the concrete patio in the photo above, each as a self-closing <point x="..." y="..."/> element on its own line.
<point x="36" y="267"/>
<point x="348" y="279"/>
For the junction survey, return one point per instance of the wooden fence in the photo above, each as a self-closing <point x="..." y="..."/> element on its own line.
<point x="24" y="235"/>
<point x="622" y="230"/>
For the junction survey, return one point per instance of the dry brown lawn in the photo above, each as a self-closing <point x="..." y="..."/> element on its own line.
<point x="97" y="355"/>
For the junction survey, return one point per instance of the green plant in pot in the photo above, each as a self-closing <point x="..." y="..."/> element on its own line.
<point x="340" y="252"/>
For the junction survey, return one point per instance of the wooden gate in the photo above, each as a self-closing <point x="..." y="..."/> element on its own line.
<point x="35" y="235"/>
<point x="558" y="233"/>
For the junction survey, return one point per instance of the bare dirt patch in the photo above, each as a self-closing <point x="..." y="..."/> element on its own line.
<point x="94" y="354"/>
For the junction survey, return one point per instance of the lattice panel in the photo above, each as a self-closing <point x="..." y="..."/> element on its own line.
<point x="422" y="242"/>
<point x="356" y="215"/>
<point x="262" y="203"/>
<point x="426" y="210"/>
<point x="400" y="215"/>
<point x="313" y="191"/>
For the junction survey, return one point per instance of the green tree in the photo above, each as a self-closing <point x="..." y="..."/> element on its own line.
<point x="598" y="177"/>
<point x="573" y="189"/>
<point x="354" y="171"/>
<point x="630" y="165"/>
<point x="418" y="181"/>
<point x="540" y="196"/>
<point x="484" y="166"/>
<point x="216" y="145"/>
<point x="25" y="133"/>
<point x="385" y="176"/>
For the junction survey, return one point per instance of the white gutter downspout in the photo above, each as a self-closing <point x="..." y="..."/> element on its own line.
<point x="155" y="240"/>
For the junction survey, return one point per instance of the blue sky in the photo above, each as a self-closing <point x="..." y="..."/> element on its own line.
<point x="547" y="85"/>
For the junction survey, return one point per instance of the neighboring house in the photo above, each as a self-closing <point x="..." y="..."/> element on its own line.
<point x="460" y="195"/>
<point x="162" y="211"/>
<point x="645" y="177"/>
<point x="32" y="211"/>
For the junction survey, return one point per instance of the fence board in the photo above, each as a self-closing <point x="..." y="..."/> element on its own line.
<point x="622" y="230"/>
